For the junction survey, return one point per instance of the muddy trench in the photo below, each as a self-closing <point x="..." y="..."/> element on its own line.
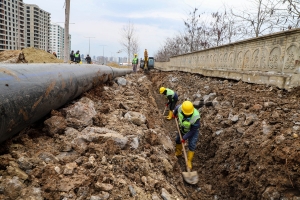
<point x="114" y="143"/>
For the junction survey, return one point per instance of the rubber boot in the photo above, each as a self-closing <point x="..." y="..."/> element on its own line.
<point x="178" y="150"/>
<point x="170" y="115"/>
<point x="190" y="156"/>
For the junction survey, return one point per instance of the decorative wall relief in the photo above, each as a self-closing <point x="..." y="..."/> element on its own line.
<point x="264" y="61"/>
<point x="221" y="62"/>
<point x="239" y="62"/>
<point x="215" y="60"/>
<point x="259" y="54"/>
<point x="274" y="58"/>
<point x="231" y="60"/>
<point x="247" y="56"/>
<point x="291" y="54"/>
<point x="225" y="60"/>
<point x="255" y="59"/>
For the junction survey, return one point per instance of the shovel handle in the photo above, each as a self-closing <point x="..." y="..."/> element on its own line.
<point x="184" y="152"/>
<point x="165" y="110"/>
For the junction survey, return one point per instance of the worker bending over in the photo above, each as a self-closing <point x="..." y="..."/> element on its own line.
<point x="172" y="99"/>
<point x="189" y="124"/>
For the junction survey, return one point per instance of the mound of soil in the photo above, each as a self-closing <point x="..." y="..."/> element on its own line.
<point x="33" y="55"/>
<point x="28" y="55"/>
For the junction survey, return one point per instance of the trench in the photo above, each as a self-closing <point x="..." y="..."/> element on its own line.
<point x="62" y="156"/>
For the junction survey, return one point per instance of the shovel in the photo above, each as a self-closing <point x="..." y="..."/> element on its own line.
<point x="165" y="110"/>
<point x="189" y="177"/>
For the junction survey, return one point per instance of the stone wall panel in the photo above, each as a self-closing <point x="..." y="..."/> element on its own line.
<point x="272" y="59"/>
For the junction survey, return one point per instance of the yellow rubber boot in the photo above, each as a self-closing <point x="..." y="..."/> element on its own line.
<point x="170" y="115"/>
<point x="178" y="150"/>
<point x="190" y="156"/>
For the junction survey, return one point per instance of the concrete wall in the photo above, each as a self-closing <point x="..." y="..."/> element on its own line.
<point x="272" y="59"/>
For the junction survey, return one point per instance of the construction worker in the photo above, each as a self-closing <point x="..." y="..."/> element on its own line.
<point x="146" y="59"/>
<point x="135" y="62"/>
<point x="77" y="57"/>
<point x="189" y="123"/>
<point x="88" y="59"/>
<point x="172" y="99"/>
<point x="72" y="56"/>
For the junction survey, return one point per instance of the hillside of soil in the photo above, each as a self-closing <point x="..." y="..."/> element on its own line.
<point x="28" y="55"/>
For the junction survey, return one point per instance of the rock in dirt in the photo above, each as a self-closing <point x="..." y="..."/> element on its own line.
<point x="165" y="195"/>
<point x="135" y="117"/>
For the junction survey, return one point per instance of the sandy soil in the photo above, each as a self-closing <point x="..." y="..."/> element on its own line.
<point x="28" y="55"/>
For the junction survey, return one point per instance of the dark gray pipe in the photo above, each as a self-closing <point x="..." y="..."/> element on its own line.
<point x="29" y="91"/>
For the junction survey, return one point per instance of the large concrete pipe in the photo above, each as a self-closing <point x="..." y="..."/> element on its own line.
<point x="29" y="91"/>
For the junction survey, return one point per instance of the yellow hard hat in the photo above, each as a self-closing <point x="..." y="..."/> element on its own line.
<point x="187" y="108"/>
<point x="135" y="54"/>
<point x="161" y="90"/>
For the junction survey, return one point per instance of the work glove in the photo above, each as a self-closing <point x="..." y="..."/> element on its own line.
<point x="174" y="116"/>
<point x="182" y="141"/>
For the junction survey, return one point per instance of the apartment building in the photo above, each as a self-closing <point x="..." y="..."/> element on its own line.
<point x="12" y="25"/>
<point x="26" y="25"/>
<point x="57" y="40"/>
<point x="37" y="28"/>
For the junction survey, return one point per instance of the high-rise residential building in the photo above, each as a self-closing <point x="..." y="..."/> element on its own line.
<point x="37" y="27"/>
<point x="57" y="40"/>
<point x="12" y="27"/>
<point x="26" y="25"/>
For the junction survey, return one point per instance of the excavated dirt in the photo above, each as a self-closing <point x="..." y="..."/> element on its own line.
<point x="114" y="143"/>
<point x="28" y="55"/>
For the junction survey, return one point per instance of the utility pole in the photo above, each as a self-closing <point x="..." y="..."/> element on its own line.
<point x="89" y="43"/>
<point x="103" y="53"/>
<point x="67" y="17"/>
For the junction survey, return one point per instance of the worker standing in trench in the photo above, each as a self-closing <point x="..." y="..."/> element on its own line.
<point x="146" y="59"/>
<point x="135" y="62"/>
<point x="189" y="124"/>
<point x="172" y="99"/>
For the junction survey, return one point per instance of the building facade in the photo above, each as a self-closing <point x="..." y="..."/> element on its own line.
<point x="26" y="25"/>
<point x="12" y="25"/>
<point x="57" y="40"/>
<point x="37" y="27"/>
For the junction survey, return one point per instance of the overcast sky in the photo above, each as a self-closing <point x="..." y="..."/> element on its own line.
<point x="154" y="21"/>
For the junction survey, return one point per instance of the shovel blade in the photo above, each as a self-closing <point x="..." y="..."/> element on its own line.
<point x="190" y="177"/>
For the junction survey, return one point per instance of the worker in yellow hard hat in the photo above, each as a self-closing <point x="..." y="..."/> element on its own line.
<point x="172" y="99"/>
<point x="189" y="123"/>
<point x="135" y="62"/>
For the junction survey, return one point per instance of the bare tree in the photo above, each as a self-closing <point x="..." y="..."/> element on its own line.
<point x="293" y="10"/>
<point x="263" y="17"/>
<point x="192" y="28"/>
<point x="294" y="6"/>
<point x="234" y="29"/>
<point x="135" y="46"/>
<point x="129" y="40"/>
<point x="219" y="28"/>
